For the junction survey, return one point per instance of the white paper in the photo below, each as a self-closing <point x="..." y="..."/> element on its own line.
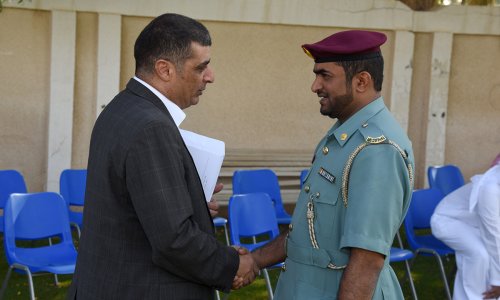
<point x="208" y="154"/>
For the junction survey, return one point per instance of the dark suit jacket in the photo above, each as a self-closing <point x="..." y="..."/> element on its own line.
<point x="147" y="231"/>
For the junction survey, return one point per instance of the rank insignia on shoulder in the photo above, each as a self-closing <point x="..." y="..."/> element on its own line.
<point x="325" y="174"/>
<point x="375" y="140"/>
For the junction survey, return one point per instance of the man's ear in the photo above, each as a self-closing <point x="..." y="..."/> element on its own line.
<point x="362" y="81"/>
<point x="165" y="70"/>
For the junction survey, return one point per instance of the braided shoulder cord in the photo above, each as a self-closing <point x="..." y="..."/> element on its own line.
<point x="352" y="156"/>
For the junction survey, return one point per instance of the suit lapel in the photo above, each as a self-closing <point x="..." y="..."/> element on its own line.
<point x="139" y="89"/>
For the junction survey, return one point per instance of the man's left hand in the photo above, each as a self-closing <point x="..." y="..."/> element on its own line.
<point x="213" y="206"/>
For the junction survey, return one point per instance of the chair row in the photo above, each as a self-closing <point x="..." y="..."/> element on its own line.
<point x="249" y="185"/>
<point x="71" y="188"/>
<point x="40" y="217"/>
<point x="44" y="215"/>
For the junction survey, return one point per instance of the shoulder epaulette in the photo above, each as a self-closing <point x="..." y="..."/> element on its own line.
<point x="372" y="134"/>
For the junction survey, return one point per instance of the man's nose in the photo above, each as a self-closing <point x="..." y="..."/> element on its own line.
<point x="315" y="87"/>
<point x="209" y="75"/>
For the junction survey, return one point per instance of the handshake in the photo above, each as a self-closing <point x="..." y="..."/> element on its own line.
<point x="247" y="270"/>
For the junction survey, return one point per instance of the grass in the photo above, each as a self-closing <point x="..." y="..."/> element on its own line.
<point x="425" y="273"/>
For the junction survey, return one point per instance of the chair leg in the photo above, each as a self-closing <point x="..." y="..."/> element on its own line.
<point x="55" y="275"/>
<point x="443" y="275"/>
<point x="78" y="231"/>
<point x="5" y="281"/>
<point x="268" y="284"/>
<point x="227" y="236"/>
<point x="441" y="268"/>
<point x="30" y="278"/>
<point x="30" y="281"/>
<point x="412" y="284"/>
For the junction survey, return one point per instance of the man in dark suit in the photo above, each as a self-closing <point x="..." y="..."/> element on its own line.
<point x="147" y="229"/>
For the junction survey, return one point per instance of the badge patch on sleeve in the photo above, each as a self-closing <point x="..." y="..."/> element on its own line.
<point x="325" y="174"/>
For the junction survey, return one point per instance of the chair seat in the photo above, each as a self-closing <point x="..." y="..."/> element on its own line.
<point x="398" y="254"/>
<point x="57" y="259"/>
<point x="220" y="221"/>
<point x="284" y="220"/>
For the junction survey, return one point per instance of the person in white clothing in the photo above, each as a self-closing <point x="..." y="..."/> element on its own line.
<point x="468" y="221"/>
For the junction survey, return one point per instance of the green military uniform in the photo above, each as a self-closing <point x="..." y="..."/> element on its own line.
<point x="356" y="194"/>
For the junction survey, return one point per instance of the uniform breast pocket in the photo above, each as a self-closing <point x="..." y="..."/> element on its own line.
<point x="326" y="202"/>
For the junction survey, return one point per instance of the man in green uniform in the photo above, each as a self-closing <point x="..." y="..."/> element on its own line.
<point x="358" y="189"/>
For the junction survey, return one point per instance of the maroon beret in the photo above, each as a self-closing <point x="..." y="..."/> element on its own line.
<point x="346" y="46"/>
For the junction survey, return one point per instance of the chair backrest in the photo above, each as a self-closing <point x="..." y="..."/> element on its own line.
<point x="72" y="186"/>
<point x="251" y="215"/>
<point x="422" y="206"/>
<point x="35" y="216"/>
<point x="303" y="175"/>
<point x="447" y="178"/>
<point x="11" y="181"/>
<point x="259" y="181"/>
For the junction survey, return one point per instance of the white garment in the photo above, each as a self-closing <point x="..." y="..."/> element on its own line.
<point x="468" y="221"/>
<point x="175" y="111"/>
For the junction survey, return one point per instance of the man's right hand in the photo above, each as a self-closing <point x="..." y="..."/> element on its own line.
<point x="492" y="293"/>
<point x="247" y="270"/>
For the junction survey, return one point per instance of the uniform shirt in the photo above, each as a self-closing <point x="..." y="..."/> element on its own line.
<point x="378" y="192"/>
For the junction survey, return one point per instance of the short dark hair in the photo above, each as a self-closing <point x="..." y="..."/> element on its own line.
<point x="374" y="66"/>
<point x="168" y="37"/>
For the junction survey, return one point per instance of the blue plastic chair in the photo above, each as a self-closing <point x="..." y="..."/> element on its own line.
<point x="446" y="178"/>
<point x="261" y="181"/>
<point x="303" y="175"/>
<point x="252" y="216"/>
<point x="37" y="216"/>
<point x="221" y="222"/>
<point x="11" y="181"/>
<point x="422" y="206"/>
<point x="399" y="254"/>
<point x="72" y="188"/>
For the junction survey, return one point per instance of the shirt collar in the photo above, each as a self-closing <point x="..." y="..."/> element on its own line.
<point x="343" y="132"/>
<point x="175" y="111"/>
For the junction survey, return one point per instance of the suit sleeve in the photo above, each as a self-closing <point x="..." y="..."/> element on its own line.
<point x="158" y="191"/>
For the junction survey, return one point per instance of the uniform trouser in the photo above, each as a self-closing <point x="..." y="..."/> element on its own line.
<point x="470" y="254"/>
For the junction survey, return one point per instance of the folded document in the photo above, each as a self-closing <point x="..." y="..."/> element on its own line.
<point x="208" y="155"/>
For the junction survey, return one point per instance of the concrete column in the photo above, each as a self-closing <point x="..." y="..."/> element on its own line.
<point x="401" y="73"/>
<point x="108" y="59"/>
<point x="62" y="81"/>
<point x="438" y="98"/>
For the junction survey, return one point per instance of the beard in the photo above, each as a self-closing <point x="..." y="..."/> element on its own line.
<point x="336" y="105"/>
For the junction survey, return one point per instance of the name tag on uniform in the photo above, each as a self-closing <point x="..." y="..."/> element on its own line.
<point x="325" y="174"/>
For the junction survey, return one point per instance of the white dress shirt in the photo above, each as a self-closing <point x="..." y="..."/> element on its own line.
<point x="175" y="111"/>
